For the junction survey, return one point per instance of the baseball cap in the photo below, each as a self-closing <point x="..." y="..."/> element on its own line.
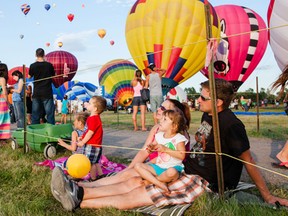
<point x="151" y="66"/>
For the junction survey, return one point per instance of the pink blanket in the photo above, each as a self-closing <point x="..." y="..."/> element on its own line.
<point x="106" y="165"/>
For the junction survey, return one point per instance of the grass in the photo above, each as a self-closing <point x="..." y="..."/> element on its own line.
<point x="25" y="188"/>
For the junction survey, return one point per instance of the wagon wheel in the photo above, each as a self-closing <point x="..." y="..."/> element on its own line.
<point x="14" y="144"/>
<point x="49" y="151"/>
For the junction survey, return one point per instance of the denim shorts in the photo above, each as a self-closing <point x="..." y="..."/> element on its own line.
<point x="137" y="101"/>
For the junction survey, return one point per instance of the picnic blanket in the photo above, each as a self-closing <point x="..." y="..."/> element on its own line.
<point x="106" y="165"/>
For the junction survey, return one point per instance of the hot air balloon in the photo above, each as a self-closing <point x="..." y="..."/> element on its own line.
<point x="70" y="17"/>
<point x="116" y="76"/>
<point x="237" y="56"/>
<point x="25" y="8"/>
<point x="111" y="42"/>
<point x="21" y="36"/>
<point x="83" y="91"/>
<point x="177" y="93"/>
<point x="11" y="81"/>
<point x="172" y="35"/>
<point x="47" y="44"/>
<point x="60" y="44"/>
<point x="47" y="6"/>
<point x="278" y="37"/>
<point x="61" y="90"/>
<point x="101" y="33"/>
<point x="59" y="59"/>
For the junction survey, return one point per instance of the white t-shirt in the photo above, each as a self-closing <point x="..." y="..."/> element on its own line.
<point x="164" y="160"/>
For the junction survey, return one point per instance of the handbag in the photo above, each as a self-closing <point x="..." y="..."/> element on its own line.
<point x="145" y="94"/>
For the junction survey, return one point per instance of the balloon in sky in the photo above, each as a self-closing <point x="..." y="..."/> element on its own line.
<point x="21" y="36"/>
<point x="172" y="35"/>
<point x="101" y="33"/>
<point x="25" y="8"/>
<point x="47" y="44"/>
<point x="278" y="37"/>
<point x="237" y="56"/>
<point x="112" y="42"/>
<point x="70" y="17"/>
<point x="61" y="90"/>
<point x="65" y="65"/>
<point x="177" y="93"/>
<point x="83" y="91"/>
<point x="47" y="6"/>
<point x="60" y="44"/>
<point x="116" y="76"/>
<point x="11" y="81"/>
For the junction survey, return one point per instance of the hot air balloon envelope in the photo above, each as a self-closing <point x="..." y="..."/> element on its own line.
<point x="48" y="44"/>
<point x="25" y="8"/>
<point x="172" y="35"/>
<point x="101" y="33"/>
<point x="278" y="37"/>
<point x="47" y="6"/>
<point x="60" y="44"/>
<point x="242" y="46"/>
<point x="116" y="77"/>
<point x="21" y="36"/>
<point x="59" y="59"/>
<point x="11" y="81"/>
<point x="70" y="17"/>
<point x="111" y="42"/>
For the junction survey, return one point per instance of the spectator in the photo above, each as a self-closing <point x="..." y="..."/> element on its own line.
<point x="154" y="81"/>
<point x="43" y="73"/>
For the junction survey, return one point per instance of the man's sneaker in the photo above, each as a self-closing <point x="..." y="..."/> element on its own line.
<point x="64" y="190"/>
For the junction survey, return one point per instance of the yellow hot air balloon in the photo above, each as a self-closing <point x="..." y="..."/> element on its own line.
<point x="101" y="33"/>
<point x="60" y="44"/>
<point x="172" y="35"/>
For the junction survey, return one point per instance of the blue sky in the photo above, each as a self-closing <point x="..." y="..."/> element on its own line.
<point x="80" y="36"/>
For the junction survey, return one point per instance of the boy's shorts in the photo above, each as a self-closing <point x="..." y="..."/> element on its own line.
<point x="160" y="170"/>
<point x="93" y="153"/>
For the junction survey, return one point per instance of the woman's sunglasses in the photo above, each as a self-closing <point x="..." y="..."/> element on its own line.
<point x="203" y="98"/>
<point x="162" y="108"/>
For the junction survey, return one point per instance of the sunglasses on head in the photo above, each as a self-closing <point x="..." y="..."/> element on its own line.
<point x="162" y="108"/>
<point x="203" y="98"/>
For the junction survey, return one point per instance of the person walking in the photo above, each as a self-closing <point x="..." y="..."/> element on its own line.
<point x="43" y="72"/>
<point x="138" y="84"/>
<point x="154" y="82"/>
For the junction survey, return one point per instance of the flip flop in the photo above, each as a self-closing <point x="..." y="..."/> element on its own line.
<point x="280" y="165"/>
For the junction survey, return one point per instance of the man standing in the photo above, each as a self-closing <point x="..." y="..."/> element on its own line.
<point x="154" y="80"/>
<point x="43" y="73"/>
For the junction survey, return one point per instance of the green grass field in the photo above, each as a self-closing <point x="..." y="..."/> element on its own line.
<point x="25" y="188"/>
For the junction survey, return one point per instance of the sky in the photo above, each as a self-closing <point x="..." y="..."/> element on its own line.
<point x="80" y="37"/>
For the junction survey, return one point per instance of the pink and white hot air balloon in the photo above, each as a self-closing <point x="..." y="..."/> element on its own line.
<point x="242" y="46"/>
<point x="278" y="37"/>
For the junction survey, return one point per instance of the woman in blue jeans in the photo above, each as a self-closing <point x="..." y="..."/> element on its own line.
<point x="17" y="98"/>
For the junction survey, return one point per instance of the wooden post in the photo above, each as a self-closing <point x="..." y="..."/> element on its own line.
<point x="257" y="107"/>
<point x="216" y="132"/>
<point x="25" y="147"/>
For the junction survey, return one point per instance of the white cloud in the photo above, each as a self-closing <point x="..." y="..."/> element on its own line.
<point x="75" y="41"/>
<point x="125" y="3"/>
<point x="1" y="14"/>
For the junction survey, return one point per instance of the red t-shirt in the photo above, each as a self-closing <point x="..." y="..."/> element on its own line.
<point x="94" y="124"/>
